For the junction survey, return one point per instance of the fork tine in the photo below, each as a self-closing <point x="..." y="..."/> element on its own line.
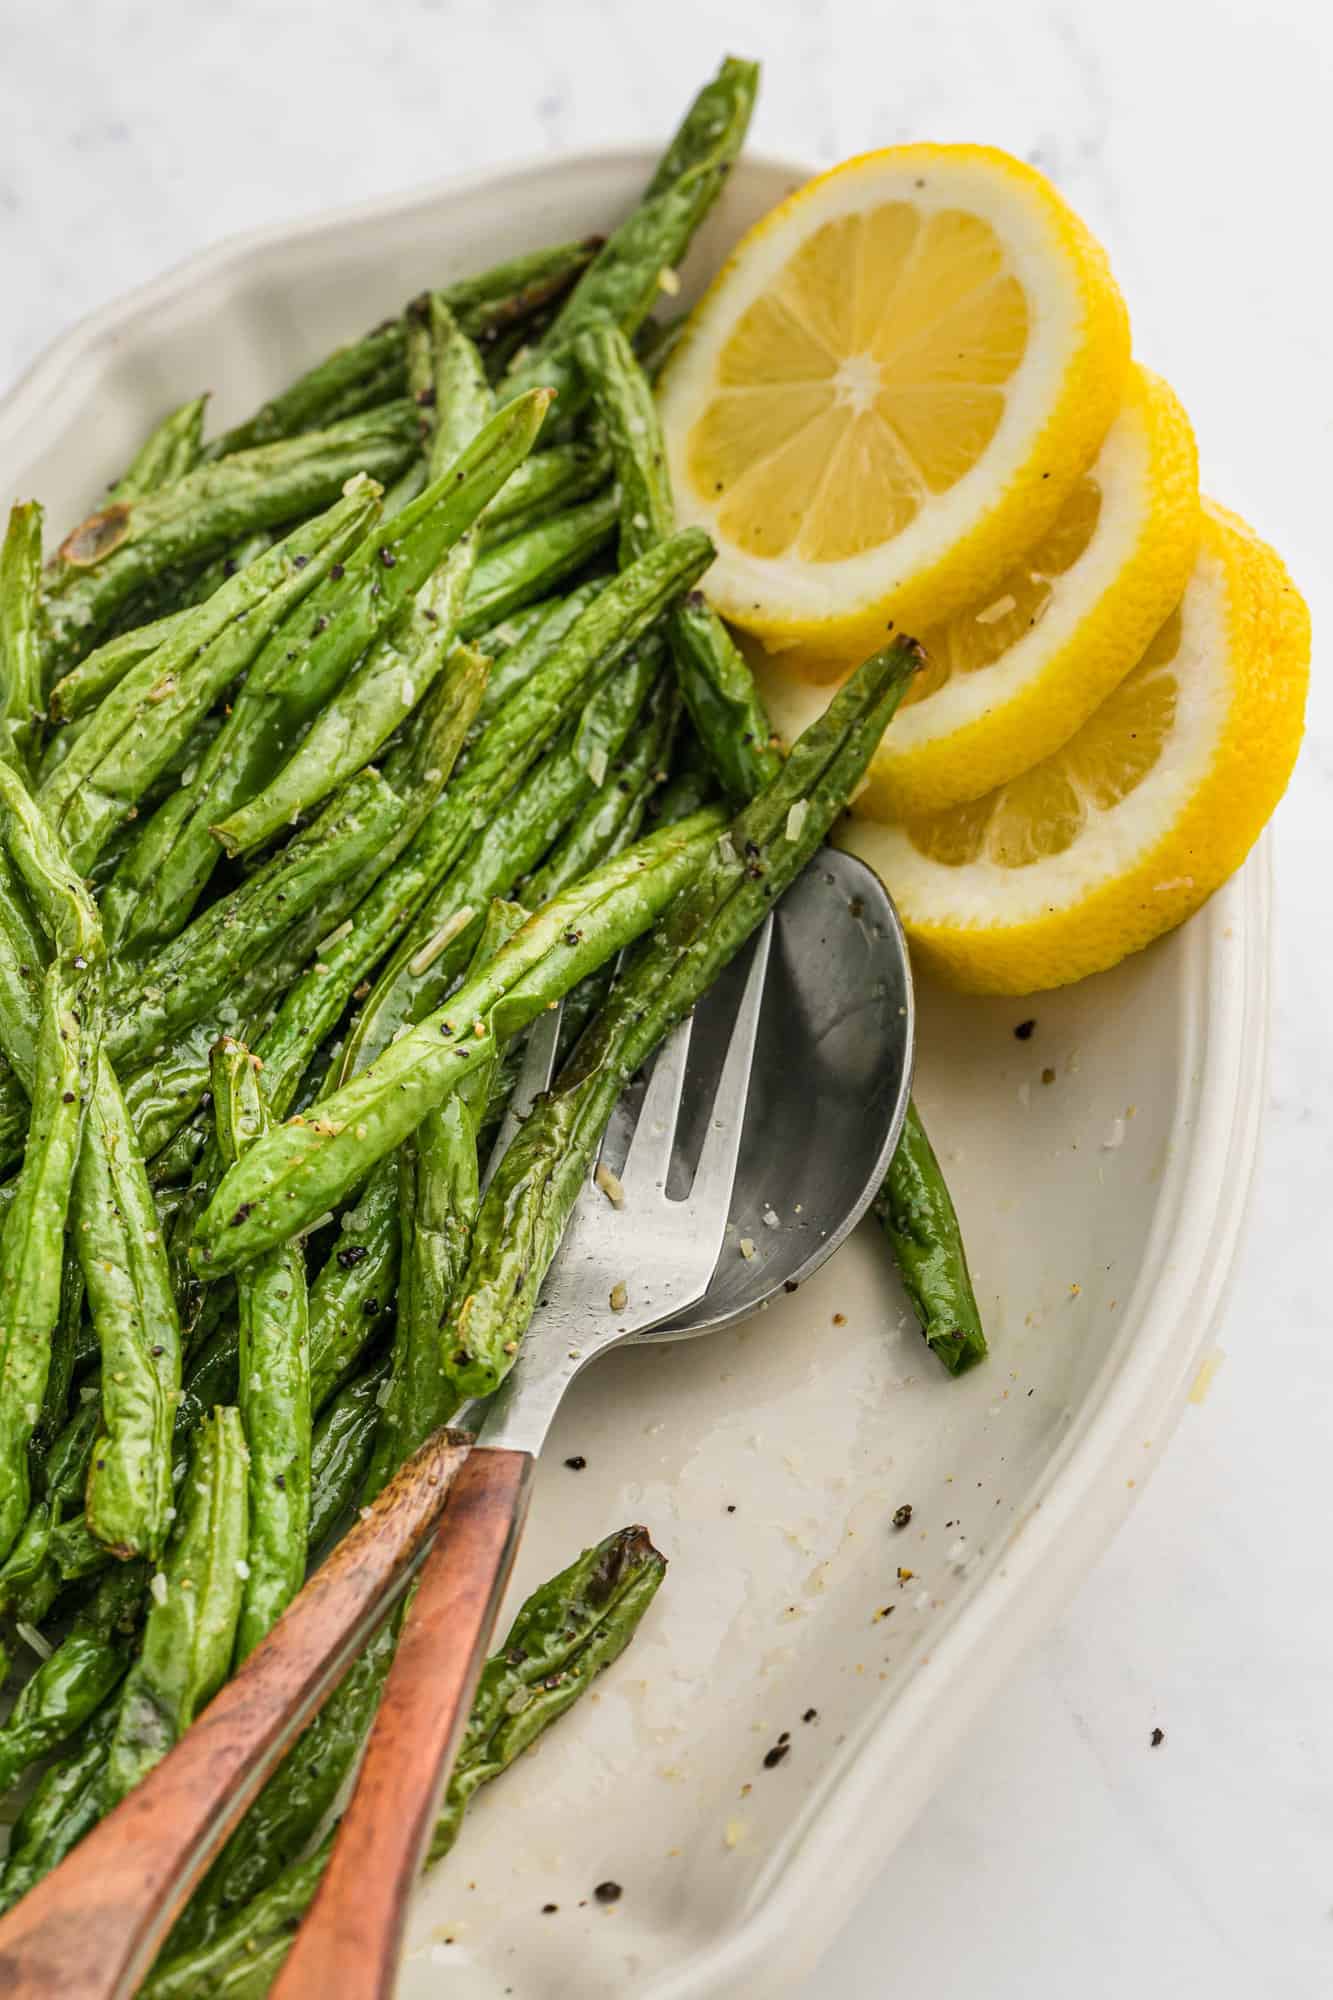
<point x="715" y="1175"/>
<point x="533" y="1078"/>
<point x="649" y="1155"/>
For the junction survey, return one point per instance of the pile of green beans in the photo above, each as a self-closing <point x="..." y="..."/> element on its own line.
<point x="332" y="751"/>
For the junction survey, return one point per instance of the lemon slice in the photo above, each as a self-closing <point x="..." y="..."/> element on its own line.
<point x="889" y="393"/>
<point x="1143" y="813"/>
<point x="1009" y="680"/>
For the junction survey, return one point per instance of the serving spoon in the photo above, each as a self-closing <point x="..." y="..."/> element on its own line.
<point x="730" y="1174"/>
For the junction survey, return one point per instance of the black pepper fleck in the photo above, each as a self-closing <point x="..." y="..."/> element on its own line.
<point x="577" y="1463"/>
<point x="608" y="1892"/>
<point x="1023" y="1032"/>
<point x="1157" y="1739"/>
<point x="902" y="1515"/>
<point x="773" y="1757"/>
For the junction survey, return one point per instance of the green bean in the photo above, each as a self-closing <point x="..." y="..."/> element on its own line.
<point x="567" y="1632"/>
<point x="126" y="546"/>
<point x="397" y="672"/>
<point x="514" y="573"/>
<point x="538" y="631"/>
<point x="351" y="1295"/>
<point x="656" y="342"/>
<point x="67" y="1351"/>
<point x="714" y="678"/>
<point x="438" y="1194"/>
<point x="624" y="280"/>
<point x="162" y="1097"/>
<point x="62" y="1807"/>
<point x="545" y="483"/>
<point x="125" y="1269"/>
<point x="528" y="1203"/>
<point x="96" y="1652"/>
<point x="916" y="1212"/>
<point x="405" y="659"/>
<point x="543" y="694"/>
<point x="266" y="929"/>
<point x="84" y="686"/>
<point x="307" y="403"/>
<point x="20" y="643"/>
<point x="201" y="583"/>
<point x="308" y="1165"/>
<point x="65" y="1467"/>
<point x="485" y="307"/>
<point x="274" y="1391"/>
<point x="31" y="1556"/>
<point x="149" y="717"/>
<point x="185" y="978"/>
<point x="611" y="818"/>
<point x="31" y="1263"/>
<point x="23" y="955"/>
<point x="436" y="946"/>
<point x="297" y="671"/>
<point x="66" y="1688"/>
<point x="191" y="1625"/>
<point x="170" y="450"/>
<point x="118" y="1238"/>
<point x="340" y="1450"/>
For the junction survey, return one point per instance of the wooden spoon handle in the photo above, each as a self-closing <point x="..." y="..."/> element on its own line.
<point x="351" y="1940"/>
<point x="91" y="1929"/>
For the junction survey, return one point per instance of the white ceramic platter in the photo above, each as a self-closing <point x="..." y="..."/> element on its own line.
<point x="1101" y="1207"/>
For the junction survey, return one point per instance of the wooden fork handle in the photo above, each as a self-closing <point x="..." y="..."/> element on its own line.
<point x="91" y="1929"/>
<point x="350" y="1942"/>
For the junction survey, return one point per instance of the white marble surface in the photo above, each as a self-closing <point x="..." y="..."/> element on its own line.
<point x="1063" y="1855"/>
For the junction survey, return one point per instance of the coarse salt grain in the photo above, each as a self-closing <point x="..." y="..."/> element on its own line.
<point x="157" y="1589"/>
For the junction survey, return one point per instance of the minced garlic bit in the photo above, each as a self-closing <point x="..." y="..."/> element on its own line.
<point x="157" y="1589"/>
<point x="619" y="1298"/>
<point x="32" y="1637"/>
<point x="668" y="281"/>
<point x="409" y="693"/>
<point x="747" y="1247"/>
<point x="597" y="765"/>
<point x="444" y="936"/>
<point x="242" y="1569"/>
<point x="609" y="1184"/>
<point x="796" y="818"/>
<point x="770" y="1220"/>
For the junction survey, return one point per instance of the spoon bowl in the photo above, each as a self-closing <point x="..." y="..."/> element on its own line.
<point x="829" y="1085"/>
